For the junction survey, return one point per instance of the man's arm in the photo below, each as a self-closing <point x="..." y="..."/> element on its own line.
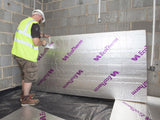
<point x="38" y="42"/>
<point x="35" y="32"/>
<point x="44" y="35"/>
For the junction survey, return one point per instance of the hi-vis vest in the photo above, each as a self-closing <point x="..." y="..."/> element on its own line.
<point x="23" y="45"/>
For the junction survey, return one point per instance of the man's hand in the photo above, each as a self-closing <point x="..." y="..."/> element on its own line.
<point x="38" y="42"/>
<point x="44" y="42"/>
<point x="45" y="35"/>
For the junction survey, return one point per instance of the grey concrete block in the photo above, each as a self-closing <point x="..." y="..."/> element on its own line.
<point x="157" y="38"/>
<point x="49" y="15"/>
<point x="46" y="1"/>
<point x="145" y="25"/>
<point x="53" y="6"/>
<point x="16" y="70"/>
<point x="5" y="15"/>
<point x="157" y="2"/>
<point x="12" y="6"/>
<point x="44" y="5"/>
<point x="150" y="13"/>
<point x="156" y="52"/>
<point x="109" y="17"/>
<point x="60" y="14"/>
<point x="5" y="83"/>
<point x="5" y="38"/>
<point x="152" y="77"/>
<point x="157" y="65"/>
<point x="93" y="8"/>
<point x="153" y="90"/>
<point x="38" y="5"/>
<point x="81" y="20"/>
<point x="119" y="5"/>
<point x="27" y="11"/>
<point x="72" y="21"/>
<point x="118" y="27"/>
<point x="77" y="11"/>
<point x="20" y="1"/>
<point x="91" y="19"/>
<point x="17" y="18"/>
<point x="153" y="83"/>
<point x="5" y="27"/>
<point x="144" y="3"/>
<point x="95" y="28"/>
<point x="156" y="61"/>
<point x="40" y="1"/>
<point x="14" y="27"/>
<point x="148" y="55"/>
<point x="27" y="2"/>
<point x="77" y="30"/>
<point x="68" y="3"/>
<point x="5" y="61"/>
<point x="48" y="31"/>
<point x="48" y="24"/>
<point x="81" y="2"/>
<point x="133" y="15"/>
<point x="149" y="38"/>
<point x="5" y="49"/>
<point x="58" y="22"/>
<point x="32" y="4"/>
<point x="0" y="73"/>
<point x="60" y="31"/>
<point x="86" y="20"/>
<point x="17" y="80"/>
<point x="7" y="72"/>
<point x="14" y="61"/>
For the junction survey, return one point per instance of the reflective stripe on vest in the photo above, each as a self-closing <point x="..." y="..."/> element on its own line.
<point x="23" y="45"/>
<point x="24" y="32"/>
<point x="26" y="43"/>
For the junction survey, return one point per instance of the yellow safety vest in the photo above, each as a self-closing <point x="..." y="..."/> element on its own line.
<point x="23" y="45"/>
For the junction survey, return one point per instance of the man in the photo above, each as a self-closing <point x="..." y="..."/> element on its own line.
<point x="25" y="51"/>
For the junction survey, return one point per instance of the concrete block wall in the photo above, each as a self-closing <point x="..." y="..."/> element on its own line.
<point x="66" y="17"/>
<point x="11" y="13"/>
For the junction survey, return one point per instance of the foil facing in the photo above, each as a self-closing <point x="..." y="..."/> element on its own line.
<point x="103" y="65"/>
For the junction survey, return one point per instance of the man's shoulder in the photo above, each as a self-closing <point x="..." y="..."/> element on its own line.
<point x="35" y="26"/>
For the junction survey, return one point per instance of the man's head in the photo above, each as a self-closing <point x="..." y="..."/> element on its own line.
<point x="38" y="15"/>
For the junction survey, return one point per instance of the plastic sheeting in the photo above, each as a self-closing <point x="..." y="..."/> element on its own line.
<point x="102" y="65"/>
<point x="64" y="106"/>
<point x="75" y="107"/>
